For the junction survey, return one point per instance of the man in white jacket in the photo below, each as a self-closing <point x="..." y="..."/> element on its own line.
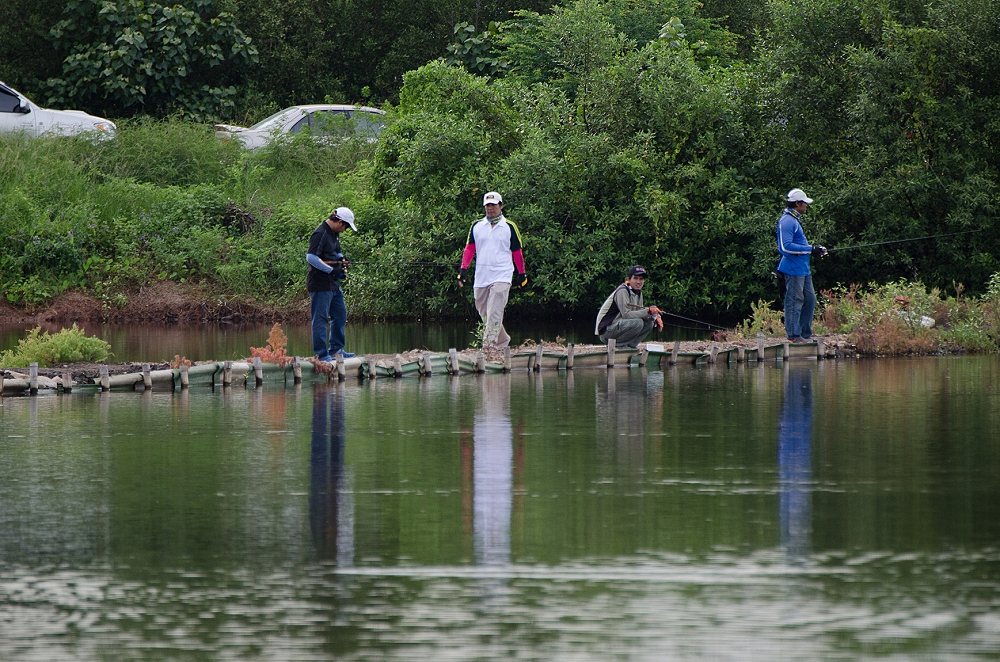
<point x="495" y="243"/>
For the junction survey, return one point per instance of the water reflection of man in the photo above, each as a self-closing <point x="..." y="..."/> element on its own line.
<point x="331" y="516"/>
<point x="795" y="461"/>
<point x="492" y="472"/>
<point x="632" y="399"/>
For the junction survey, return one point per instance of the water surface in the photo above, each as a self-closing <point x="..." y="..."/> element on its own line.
<point x="839" y="510"/>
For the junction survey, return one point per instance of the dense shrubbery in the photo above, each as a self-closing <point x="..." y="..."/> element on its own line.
<point x="674" y="153"/>
<point x="226" y="59"/>
<point x="904" y="317"/>
<point x="900" y="317"/>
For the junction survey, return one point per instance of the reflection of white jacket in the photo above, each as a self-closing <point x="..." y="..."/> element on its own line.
<point x="493" y="479"/>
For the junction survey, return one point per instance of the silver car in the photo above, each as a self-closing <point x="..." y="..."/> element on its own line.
<point x="19" y="114"/>
<point x="325" y="121"/>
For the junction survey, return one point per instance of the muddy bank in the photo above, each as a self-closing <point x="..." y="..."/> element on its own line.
<point x="157" y="303"/>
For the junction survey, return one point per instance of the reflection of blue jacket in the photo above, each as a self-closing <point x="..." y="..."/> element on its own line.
<point x="792" y="245"/>
<point x="795" y="461"/>
<point x="330" y="522"/>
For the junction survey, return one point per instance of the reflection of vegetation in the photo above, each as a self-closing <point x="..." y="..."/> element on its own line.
<point x="66" y="346"/>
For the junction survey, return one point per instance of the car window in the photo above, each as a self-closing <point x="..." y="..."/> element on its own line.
<point x="8" y="102"/>
<point x="367" y="124"/>
<point x="330" y="122"/>
<point x="301" y="124"/>
<point x="275" y="120"/>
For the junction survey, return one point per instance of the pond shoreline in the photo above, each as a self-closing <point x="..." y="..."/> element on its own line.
<point x="835" y="347"/>
<point x="170" y="304"/>
<point x="162" y="302"/>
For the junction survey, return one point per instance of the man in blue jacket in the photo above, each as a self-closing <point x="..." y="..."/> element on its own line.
<point x="795" y="251"/>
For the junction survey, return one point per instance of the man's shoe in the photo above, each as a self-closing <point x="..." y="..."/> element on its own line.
<point x="344" y="353"/>
<point x="797" y="341"/>
<point x="325" y="359"/>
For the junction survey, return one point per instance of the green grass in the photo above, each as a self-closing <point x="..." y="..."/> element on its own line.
<point x="164" y="199"/>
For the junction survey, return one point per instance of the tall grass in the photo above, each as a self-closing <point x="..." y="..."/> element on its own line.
<point x="164" y="199"/>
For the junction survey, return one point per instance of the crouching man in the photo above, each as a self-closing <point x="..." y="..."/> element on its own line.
<point x="624" y="316"/>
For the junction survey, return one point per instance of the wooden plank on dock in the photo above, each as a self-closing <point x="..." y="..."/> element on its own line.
<point x="550" y="360"/>
<point x="806" y="350"/>
<point x="770" y="352"/>
<point x="727" y="356"/>
<point x="676" y="356"/>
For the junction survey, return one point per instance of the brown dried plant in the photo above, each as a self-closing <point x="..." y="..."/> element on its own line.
<point x="274" y="350"/>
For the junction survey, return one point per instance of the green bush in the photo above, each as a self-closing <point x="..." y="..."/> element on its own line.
<point x="171" y="152"/>
<point x="764" y="320"/>
<point x="70" y="345"/>
<point x="890" y="319"/>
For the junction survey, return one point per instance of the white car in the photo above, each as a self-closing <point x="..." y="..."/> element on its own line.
<point x="322" y="120"/>
<point x="19" y="114"/>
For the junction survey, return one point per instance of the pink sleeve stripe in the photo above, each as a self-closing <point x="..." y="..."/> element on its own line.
<point x="518" y="260"/>
<point x="467" y="255"/>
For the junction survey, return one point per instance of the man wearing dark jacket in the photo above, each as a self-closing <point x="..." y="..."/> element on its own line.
<point x="327" y="269"/>
<point x="624" y="316"/>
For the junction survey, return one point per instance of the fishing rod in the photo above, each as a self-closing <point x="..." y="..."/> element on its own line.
<point x="413" y="263"/>
<point x="900" y="241"/>
<point x="691" y="319"/>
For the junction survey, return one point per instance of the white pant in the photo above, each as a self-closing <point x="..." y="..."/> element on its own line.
<point x="490" y="302"/>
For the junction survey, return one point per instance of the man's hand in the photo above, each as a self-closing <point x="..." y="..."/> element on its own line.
<point x="819" y="251"/>
<point x="521" y="280"/>
<point x="461" y="277"/>
<point x="659" y="323"/>
<point x="654" y="310"/>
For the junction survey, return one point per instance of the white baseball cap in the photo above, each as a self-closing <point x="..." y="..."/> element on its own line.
<point x="798" y="195"/>
<point x="346" y="215"/>
<point x="492" y="198"/>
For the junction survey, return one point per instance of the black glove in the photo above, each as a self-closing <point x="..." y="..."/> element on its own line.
<point x="521" y="280"/>
<point x="819" y="251"/>
<point x="461" y="277"/>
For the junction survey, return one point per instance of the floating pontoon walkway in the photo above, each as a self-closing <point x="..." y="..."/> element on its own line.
<point x="412" y="364"/>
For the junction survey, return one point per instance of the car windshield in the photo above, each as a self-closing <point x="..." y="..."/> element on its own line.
<point x="274" y="120"/>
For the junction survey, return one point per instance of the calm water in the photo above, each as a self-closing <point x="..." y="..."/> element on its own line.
<point x="839" y="510"/>
<point x="218" y="343"/>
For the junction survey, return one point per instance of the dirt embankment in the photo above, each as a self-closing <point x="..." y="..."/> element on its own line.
<point x="156" y="303"/>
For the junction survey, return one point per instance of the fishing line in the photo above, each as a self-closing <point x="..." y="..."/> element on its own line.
<point x="690" y="319"/>
<point x="684" y="326"/>
<point x="899" y="241"/>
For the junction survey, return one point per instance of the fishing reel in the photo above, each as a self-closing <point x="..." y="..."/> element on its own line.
<point x="339" y="272"/>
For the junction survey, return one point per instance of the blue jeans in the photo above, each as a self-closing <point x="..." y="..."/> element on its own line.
<point x="329" y="317"/>
<point x="800" y="303"/>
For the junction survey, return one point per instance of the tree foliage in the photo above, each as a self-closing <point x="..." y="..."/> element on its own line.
<point x="618" y="131"/>
<point x="127" y="56"/>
